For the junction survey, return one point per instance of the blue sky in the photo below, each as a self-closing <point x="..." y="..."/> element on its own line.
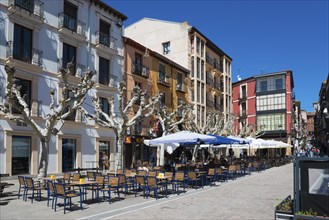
<point x="260" y="36"/>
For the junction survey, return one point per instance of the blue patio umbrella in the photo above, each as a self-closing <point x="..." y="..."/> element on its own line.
<point x="221" y="140"/>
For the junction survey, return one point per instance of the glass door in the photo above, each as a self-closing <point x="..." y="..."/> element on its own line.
<point x="21" y="155"/>
<point x="69" y="154"/>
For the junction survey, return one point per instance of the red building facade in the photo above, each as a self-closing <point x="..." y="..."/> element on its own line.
<point x="265" y="101"/>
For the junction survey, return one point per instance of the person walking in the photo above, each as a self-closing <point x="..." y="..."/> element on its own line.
<point x="104" y="161"/>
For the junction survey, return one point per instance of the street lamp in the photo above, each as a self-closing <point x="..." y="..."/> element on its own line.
<point x="280" y="127"/>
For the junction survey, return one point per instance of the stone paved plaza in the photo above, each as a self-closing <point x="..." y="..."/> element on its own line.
<point x="251" y="197"/>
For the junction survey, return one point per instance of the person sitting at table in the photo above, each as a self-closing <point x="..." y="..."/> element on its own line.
<point x="141" y="167"/>
<point x="223" y="161"/>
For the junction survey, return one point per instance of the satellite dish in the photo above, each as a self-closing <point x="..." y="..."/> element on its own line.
<point x="239" y="78"/>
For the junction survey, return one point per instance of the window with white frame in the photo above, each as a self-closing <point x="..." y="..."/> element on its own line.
<point x="271" y="102"/>
<point x="272" y="121"/>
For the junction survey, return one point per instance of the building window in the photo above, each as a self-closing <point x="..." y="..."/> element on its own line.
<point x="279" y="84"/>
<point x="263" y="86"/>
<point x="272" y="121"/>
<point x="271" y="102"/>
<point x="202" y="48"/>
<point x="26" y="93"/>
<point x="28" y="5"/>
<point x="70" y="16"/>
<point x="166" y="47"/>
<point x="243" y="91"/>
<point x="198" y="67"/>
<point x="202" y="70"/>
<point x="138" y="64"/>
<point x="22" y="43"/>
<point x="197" y="45"/>
<point x="179" y="81"/>
<point x="202" y="96"/>
<point x="198" y="92"/>
<point x="104" y="71"/>
<point x="69" y="150"/>
<point x="198" y="115"/>
<point x="163" y="100"/>
<point x="21" y="151"/>
<point x="192" y="67"/>
<point x="105" y="107"/>
<point x="271" y="83"/>
<point x="71" y="117"/>
<point x="69" y="55"/>
<point x="104" y="33"/>
<point x="162" y="72"/>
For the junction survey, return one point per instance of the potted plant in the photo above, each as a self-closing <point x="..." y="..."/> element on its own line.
<point x="284" y="210"/>
<point x="309" y="215"/>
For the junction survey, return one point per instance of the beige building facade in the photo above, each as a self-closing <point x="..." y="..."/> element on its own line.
<point x="210" y="67"/>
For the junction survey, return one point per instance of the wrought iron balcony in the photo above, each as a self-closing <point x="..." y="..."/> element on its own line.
<point x="163" y="79"/>
<point x="180" y="87"/>
<point x="32" y="6"/>
<point x="72" y="24"/>
<point x="141" y="70"/>
<point x="106" y="40"/>
<point x="209" y="59"/>
<point x="79" y="69"/>
<point x="32" y="56"/>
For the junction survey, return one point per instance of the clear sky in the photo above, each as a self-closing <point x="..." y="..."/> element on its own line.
<point x="260" y="36"/>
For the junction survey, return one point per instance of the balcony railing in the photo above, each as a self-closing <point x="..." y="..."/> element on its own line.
<point x="180" y="87"/>
<point x="33" y="56"/>
<point x="32" y="6"/>
<point x="209" y="59"/>
<point x="79" y="69"/>
<point x="140" y="70"/>
<point x="163" y="79"/>
<point x="106" y="40"/>
<point x="72" y="24"/>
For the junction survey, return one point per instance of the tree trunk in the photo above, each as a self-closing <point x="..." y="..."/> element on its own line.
<point x="118" y="155"/>
<point x="194" y="155"/>
<point x="43" y="166"/>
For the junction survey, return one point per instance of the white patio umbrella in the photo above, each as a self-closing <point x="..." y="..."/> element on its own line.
<point x="182" y="137"/>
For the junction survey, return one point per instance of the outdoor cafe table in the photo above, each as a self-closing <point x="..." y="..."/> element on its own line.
<point x="165" y="178"/>
<point x="53" y="179"/>
<point x="82" y="186"/>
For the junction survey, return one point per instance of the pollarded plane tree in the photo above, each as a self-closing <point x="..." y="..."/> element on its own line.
<point x="120" y="122"/>
<point x="58" y="112"/>
<point x="170" y="121"/>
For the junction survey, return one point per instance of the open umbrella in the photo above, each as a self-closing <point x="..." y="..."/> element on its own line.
<point x="182" y="137"/>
